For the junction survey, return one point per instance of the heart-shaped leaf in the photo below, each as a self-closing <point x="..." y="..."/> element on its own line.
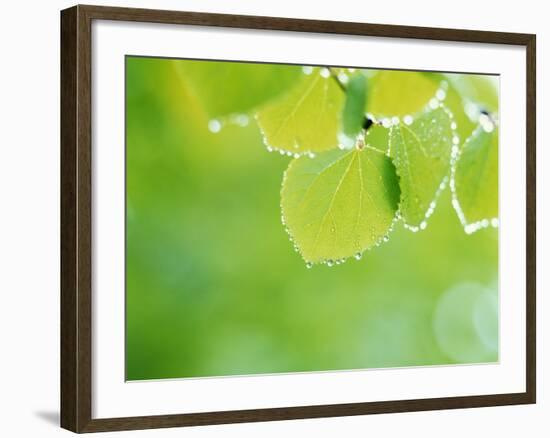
<point x="306" y="119"/>
<point x="421" y="151"/>
<point x="339" y="203"/>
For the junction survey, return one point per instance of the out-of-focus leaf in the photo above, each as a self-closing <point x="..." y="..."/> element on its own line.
<point x="305" y="119"/>
<point x="478" y="89"/>
<point x="398" y="93"/>
<point x="353" y="114"/>
<point x="453" y="100"/>
<point x="236" y="87"/>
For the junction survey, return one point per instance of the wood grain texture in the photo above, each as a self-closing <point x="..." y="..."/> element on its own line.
<point x="69" y="328"/>
<point x="531" y="218"/>
<point x="76" y="218"/>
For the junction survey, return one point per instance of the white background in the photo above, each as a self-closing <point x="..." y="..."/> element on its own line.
<point x="29" y="235"/>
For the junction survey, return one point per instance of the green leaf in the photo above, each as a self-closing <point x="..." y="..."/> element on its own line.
<point x="421" y="152"/>
<point x="353" y="114"/>
<point x="339" y="203"/>
<point x="377" y="137"/>
<point x="478" y="89"/>
<point x="226" y="88"/>
<point x="398" y="93"/>
<point x="306" y="119"/>
<point x="475" y="180"/>
<point x="454" y="101"/>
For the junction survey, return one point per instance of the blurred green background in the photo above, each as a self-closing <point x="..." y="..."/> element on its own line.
<point x="213" y="286"/>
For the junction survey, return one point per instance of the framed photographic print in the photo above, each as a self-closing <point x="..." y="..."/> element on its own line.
<point x="268" y="218"/>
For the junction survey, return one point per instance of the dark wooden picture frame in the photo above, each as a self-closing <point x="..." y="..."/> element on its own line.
<point x="76" y="218"/>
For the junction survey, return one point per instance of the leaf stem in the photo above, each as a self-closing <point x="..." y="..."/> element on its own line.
<point x="367" y="123"/>
<point x="335" y="77"/>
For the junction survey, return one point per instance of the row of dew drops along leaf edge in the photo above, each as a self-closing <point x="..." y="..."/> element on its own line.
<point x="387" y="123"/>
<point x="216" y="125"/>
<point x="485" y="122"/>
<point x="435" y="103"/>
<point x="306" y="70"/>
<point x="332" y="262"/>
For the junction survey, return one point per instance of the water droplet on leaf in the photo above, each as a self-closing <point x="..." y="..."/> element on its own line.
<point x="214" y="126"/>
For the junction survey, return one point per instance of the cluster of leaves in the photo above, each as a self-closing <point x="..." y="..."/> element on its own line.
<point x="368" y="147"/>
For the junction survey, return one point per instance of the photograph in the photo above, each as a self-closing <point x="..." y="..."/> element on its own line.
<point x="284" y="218"/>
<point x="274" y="219"/>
